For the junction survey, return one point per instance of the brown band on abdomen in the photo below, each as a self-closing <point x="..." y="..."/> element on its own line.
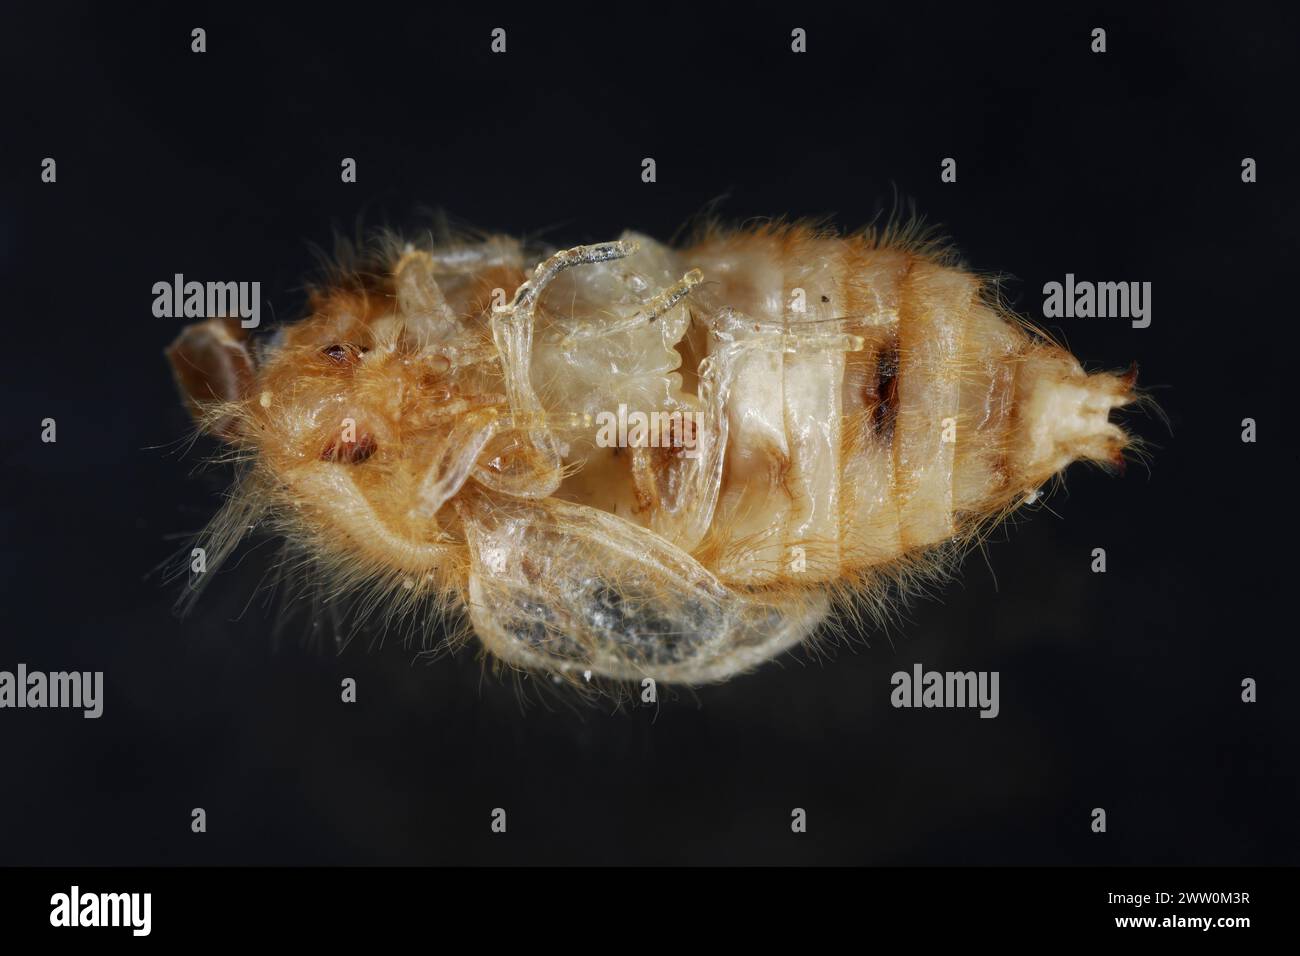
<point x="882" y="394"/>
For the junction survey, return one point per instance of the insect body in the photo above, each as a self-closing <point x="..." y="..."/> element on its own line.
<point x="646" y="462"/>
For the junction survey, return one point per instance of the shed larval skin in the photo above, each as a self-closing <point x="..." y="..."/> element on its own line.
<point x="840" y="408"/>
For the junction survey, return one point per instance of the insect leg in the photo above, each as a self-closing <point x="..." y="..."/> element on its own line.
<point x="830" y="335"/>
<point x="418" y="292"/>
<point x="526" y="296"/>
<point x="512" y="331"/>
<point x="455" y="460"/>
<point x="659" y="305"/>
<point x="424" y="318"/>
<point x="683" y="489"/>
<point x="462" y="259"/>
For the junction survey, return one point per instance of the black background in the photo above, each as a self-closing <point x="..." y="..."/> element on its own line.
<point x="1119" y="690"/>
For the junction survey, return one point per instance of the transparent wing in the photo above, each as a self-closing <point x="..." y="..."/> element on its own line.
<point x="566" y="588"/>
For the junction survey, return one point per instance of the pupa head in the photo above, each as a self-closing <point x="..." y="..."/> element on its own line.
<point x="363" y="419"/>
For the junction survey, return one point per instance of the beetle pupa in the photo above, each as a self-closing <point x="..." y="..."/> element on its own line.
<point x="635" y="461"/>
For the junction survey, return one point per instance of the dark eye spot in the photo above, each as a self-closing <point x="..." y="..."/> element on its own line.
<point x="350" y="452"/>
<point x="826" y="298"/>
<point x="344" y="354"/>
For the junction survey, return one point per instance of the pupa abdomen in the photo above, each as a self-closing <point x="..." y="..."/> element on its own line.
<point x="935" y="410"/>
<point x="632" y="461"/>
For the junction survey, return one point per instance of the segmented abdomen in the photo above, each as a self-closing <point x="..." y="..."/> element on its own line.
<point x="948" y="412"/>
